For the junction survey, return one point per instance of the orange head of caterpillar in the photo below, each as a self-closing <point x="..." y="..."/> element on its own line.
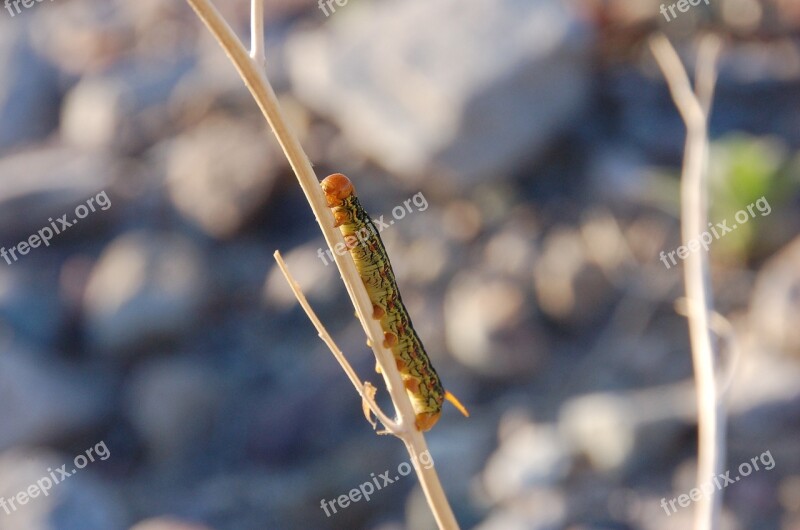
<point x="337" y="188"/>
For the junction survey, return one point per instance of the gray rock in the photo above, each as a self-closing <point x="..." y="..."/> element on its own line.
<point x="539" y="509"/>
<point x="775" y="303"/>
<point x="126" y="110"/>
<point x="45" y="399"/>
<point x="171" y="403"/>
<point x="46" y="183"/>
<point x="467" y="89"/>
<point x="29" y="95"/>
<point x="167" y="523"/>
<point x="29" y="305"/>
<point x="317" y="275"/>
<point x="145" y="286"/>
<point x="489" y="327"/>
<point x="83" y="37"/>
<point x="78" y="502"/>
<point x="614" y="429"/>
<point x="219" y="174"/>
<point x="570" y="284"/>
<point x="763" y="393"/>
<point x="514" y="468"/>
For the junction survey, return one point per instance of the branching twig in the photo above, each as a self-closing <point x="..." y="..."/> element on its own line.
<point x="694" y="108"/>
<point x="337" y="353"/>
<point x="255" y="79"/>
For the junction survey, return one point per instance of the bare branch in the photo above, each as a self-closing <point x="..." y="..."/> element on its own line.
<point x="361" y="388"/>
<point x="699" y="306"/>
<point x="255" y="79"/>
<point x="706" y="72"/>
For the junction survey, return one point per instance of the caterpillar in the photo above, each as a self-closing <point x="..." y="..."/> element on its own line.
<point x="372" y="262"/>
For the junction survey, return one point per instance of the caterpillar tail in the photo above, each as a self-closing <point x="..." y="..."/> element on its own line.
<point x="456" y="403"/>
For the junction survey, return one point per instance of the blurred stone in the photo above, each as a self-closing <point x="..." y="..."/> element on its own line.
<point x="460" y="446"/>
<point x="512" y="249"/>
<point x="788" y="13"/>
<point x="605" y="244"/>
<point x="489" y="327"/>
<point x="616" y="429"/>
<point x="78" y="502"/>
<point x="469" y="89"/>
<point x="618" y="174"/>
<point x="145" y="286"/>
<point x="167" y="523"/>
<point x="29" y="95"/>
<point x="535" y="509"/>
<point x="220" y="174"/>
<point x="623" y="13"/>
<point x="124" y="110"/>
<point x="744" y="16"/>
<point x="775" y="302"/>
<point x="28" y="304"/>
<point x="84" y="37"/>
<point x="515" y="469"/>
<point x="45" y="400"/>
<point x="43" y="184"/>
<point x="172" y="404"/>
<point x="570" y="288"/>
<point x="763" y="396"/>
<point x="317" y="275"/>
<point x="461" y="220"/>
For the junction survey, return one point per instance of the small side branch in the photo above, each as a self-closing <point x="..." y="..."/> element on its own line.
<point x="361" y="388"/>
<point x="257" y="52"/>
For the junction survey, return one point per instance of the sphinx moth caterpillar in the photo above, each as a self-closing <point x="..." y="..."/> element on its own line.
<point x="372" y="262"/>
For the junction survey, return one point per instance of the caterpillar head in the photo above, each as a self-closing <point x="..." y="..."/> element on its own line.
<point x="337" y="188"/>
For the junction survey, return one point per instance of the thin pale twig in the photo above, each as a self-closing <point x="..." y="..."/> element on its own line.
<point x="361" y="388"/>
<point x="710" y="409"/>
<point x="725" y="331"/>
<point x="257" y="52"/>
<point x="705" y="78"/>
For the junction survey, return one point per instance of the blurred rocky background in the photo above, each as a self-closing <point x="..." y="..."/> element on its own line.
<point x="544" y="141"/>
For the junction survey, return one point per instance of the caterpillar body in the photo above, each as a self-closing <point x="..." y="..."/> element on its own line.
<point x="372" y="262"/>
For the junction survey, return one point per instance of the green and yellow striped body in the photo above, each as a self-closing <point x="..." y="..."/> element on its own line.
<point x="364" y="243"/>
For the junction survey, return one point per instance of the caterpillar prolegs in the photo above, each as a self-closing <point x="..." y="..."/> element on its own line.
<point x="366" y="247"/>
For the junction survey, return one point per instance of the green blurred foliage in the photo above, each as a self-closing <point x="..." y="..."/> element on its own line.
<point x="742" y="169"/>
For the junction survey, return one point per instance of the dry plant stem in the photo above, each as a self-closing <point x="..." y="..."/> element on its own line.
<point x="257" y="33"/>
<point x="255" y="80"/>
<point x="326" y="338"/>
<point x="724" y="330"/>
<point x="694" y="108"/>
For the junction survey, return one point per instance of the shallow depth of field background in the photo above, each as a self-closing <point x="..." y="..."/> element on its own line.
<point x="542" y="137"/>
